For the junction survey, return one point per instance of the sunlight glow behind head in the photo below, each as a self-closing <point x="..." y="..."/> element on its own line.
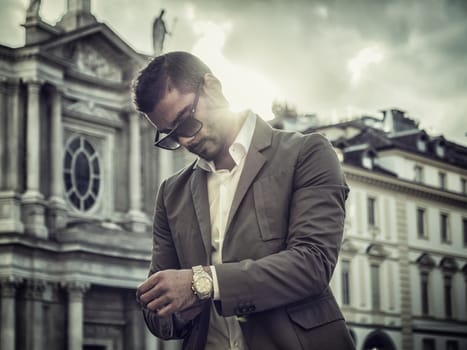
<point x="242" y="86"/>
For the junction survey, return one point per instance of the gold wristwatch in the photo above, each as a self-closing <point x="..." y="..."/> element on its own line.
<point x="201" y="283"/>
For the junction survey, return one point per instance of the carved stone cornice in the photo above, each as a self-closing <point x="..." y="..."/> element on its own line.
<point x="76" y="289"/>
<point x="406" y="187"/>
<point x="34" y="289"/>
<point x="9" y="285"/>
<point x="11" y="85"/>
<point x="448" y="265"/>
<point x="34" y="84"/>
<point x="376" y="253"/>
<point x="348" y="247"/>
<point x="426" y="262"/>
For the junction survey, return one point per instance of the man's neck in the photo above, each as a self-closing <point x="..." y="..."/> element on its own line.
<point x="225" y="160"/>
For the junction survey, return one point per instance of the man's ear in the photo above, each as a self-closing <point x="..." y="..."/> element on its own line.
<point x="212" y="89"/>
<point x="211" y="84"/>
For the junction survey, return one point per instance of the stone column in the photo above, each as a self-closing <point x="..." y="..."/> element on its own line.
<point x="33" y="203"/>
<point x="10" y="208"/>
<point x="32" y="332"/>
<point x="12" y="135"/>
<point x="76" y="292"/>
<point x="57" y="214"/>
<point x="3" y="132"/>
<point x="8" y="316"/>
<point x="137" y="218"/>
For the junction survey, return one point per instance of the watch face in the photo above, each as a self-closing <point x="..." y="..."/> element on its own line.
<point x="203" y="285"/>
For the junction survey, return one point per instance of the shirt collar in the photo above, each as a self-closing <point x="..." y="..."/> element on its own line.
<point x="239" y="148"/>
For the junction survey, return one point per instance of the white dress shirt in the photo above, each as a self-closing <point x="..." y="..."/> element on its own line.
<point x="225" y="332"/>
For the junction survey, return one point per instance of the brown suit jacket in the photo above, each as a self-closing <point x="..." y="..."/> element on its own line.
<point x="280" y="248"/>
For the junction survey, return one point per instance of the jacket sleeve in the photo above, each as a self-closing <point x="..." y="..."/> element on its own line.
<point x="164" y="257"/>
<point x="315" y="228"/>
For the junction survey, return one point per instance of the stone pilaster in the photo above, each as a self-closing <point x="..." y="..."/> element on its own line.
<point x="57" y="209"/>
<point x="3" y="133"/>
<point x="33" y="200"/>
<point x="137" y="217"/>
<point x="404" y="274"/>
<point x="8" y="315"/>
<point x="76" y="292"/>
<point x="10" y="206"/>
<point x="32" y="332"/>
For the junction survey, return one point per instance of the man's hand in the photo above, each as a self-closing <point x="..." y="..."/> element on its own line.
<point x="167" y="292"/>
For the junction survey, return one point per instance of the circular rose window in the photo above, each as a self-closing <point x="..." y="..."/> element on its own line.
<point x="81" y="173"/>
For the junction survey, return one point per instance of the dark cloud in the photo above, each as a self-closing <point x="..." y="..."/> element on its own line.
<point x="305" y="46"/>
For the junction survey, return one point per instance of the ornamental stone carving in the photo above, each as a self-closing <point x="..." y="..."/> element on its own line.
<point x="8" y="286"/>
<point x="34" y="289"/>
<point x="91" y="62"/>
<point x="89" y="108"/>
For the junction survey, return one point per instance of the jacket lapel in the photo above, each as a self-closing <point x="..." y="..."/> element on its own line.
<point x="253" y="163"/>
<point x="199" y="192"/>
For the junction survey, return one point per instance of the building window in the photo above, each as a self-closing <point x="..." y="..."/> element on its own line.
<point x="371" y="206"/>
<point x="81" y="174"/>
<point x="418" y="174"/>
<point x="440" y="149"/>
<point x="421" y="144"/>
<point x="464" y="228"/>
<point x="452" y="345"/>
<point x="375" y="287"/>
<point x="421" y="223"/>
<point x="428" y="344"/>
<point x="463" y="186"/>
<point x="345" y="273"/>
<point x="442" y="180"/>
<point x="444" y="228"/>
<point x="368" y="159"/>
<point x="424" y="286"/>
<point x="448" y="295"/>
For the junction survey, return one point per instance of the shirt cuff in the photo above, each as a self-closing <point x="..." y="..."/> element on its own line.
<point x="215" y="283"/>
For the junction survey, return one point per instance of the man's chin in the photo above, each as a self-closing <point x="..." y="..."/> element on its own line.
<point x="203" y="150"/>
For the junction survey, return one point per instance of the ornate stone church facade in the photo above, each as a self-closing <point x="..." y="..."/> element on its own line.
<point x="77" y="183"/>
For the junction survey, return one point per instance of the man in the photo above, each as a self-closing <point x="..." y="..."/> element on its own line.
<point x="246" y="238"/>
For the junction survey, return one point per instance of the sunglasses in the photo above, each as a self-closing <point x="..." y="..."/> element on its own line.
<point x="188" y="127"/>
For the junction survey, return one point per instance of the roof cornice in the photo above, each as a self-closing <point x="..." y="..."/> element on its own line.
<point x="404" y="187"/>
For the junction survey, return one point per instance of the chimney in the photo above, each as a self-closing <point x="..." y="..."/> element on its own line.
<point x="78" y="14"/>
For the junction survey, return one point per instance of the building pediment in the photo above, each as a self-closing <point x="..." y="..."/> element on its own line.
<point x="95" y="51"/>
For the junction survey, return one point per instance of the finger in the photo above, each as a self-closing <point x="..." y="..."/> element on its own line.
<point x="165" y="311"/>
<point x="150" y="295"/>
<point x="158" y="303"/>
<point x="148" y="283"/>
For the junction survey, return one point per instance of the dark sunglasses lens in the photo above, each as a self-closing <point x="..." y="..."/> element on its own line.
<point x="188" y="128"/>
<point x="168" y="143"/>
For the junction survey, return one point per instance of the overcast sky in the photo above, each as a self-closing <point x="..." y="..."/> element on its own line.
<point x="333" y="58"/>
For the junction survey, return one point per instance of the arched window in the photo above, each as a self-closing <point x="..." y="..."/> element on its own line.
<point x="378" y="340"/>
<point x="81" y="174"/>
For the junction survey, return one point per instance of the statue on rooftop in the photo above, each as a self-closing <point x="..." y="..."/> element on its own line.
<point x="159" y="30"/>
<point x="33" y="9"/>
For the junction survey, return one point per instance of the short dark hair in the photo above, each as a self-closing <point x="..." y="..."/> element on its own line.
<point x="184" y="70"/>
